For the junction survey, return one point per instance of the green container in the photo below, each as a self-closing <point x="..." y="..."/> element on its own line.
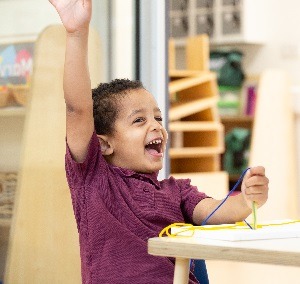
<point x="228" y="66"/>
<point x="236" y="156"/>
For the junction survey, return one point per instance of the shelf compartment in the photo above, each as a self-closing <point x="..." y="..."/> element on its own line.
<point x="195" y="152"/>
<point x="195" y="165"/>
<point x="195" y="126"/>
<point x="185" y="108"/>
<point x="193" y="88"/>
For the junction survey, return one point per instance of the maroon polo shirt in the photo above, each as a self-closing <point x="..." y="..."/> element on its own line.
<point x="117" y="211"/>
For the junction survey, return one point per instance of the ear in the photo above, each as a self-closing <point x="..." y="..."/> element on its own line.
<point x="106" y="147"/>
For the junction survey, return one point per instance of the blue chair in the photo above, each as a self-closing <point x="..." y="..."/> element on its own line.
<point x="200" y="271"/>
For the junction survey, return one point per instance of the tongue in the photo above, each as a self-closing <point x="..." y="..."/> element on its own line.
<point x="152" y="151"/>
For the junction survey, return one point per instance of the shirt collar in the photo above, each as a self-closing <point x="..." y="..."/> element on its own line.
<point x="150" y="177"/>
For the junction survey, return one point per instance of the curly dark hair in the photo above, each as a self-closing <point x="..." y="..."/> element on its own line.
<point x="106" y="102"/>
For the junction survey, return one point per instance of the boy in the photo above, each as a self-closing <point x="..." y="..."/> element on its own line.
<point x="115" y="147"/>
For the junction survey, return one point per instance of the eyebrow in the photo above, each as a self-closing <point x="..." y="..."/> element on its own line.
<point x="142" y="110"/>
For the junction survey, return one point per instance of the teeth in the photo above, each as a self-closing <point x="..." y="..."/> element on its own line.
<point x="158" y="141"/>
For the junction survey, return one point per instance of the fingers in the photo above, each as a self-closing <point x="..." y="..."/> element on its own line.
<point x="256" y="186"/>
<point x="259" y="170"/>
<point x="257" y="189"/>
<point x="256" y="181"/>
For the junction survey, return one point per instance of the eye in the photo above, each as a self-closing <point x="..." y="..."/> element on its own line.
<point x="139" y="119"/>
<point x="158" y="118"/>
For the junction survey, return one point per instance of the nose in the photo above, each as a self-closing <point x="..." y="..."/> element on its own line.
<point x="156" y="125"/>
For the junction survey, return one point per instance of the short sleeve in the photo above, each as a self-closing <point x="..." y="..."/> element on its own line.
<point x="190" y="197"/>
<point x="80" y="175"/>
<point x="77" y="173"/>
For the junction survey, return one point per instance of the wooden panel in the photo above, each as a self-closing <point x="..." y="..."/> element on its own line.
<point x="189" y="82"/>
<point x="4" y="233"/>
<point x="205" y="90"/>
<point x="44" y="246"/>
<point x="202" y="164"/>
<point x="172" y="54"/>
<point x="210" y="114"/>
<point x="194" y="152"/>
<point x="183" y="73"/>
<point x="185" y="108"/>
<point x="195" y="126"/>
<point x="203" y="138"/>
<point x="197" y="52"/>
<point x="198" y="139"/>
<point x="233" y="122"/>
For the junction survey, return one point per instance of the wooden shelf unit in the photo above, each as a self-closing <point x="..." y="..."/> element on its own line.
<point x="197" y="135"/>
<point x="231" y="122"/>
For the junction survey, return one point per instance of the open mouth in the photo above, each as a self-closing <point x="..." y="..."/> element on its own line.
<point x="154" y="147"/>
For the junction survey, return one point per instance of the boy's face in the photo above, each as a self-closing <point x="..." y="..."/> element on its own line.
<point x="139" y="139"/>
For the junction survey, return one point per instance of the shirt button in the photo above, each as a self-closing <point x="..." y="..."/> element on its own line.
<point x="145" y="189"/>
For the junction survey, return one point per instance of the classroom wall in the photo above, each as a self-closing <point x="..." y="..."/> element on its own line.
<point x="282" y="46"/>
<point x="26" y="19"/>
<point x="16" y="26"/>
<point x="281" y="50"/>
<point x="22" y="21"/>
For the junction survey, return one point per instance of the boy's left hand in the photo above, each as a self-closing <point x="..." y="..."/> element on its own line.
<point x="255" y="186"/>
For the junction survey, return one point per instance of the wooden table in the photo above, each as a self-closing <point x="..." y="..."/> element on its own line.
<point x="275" y="251"/>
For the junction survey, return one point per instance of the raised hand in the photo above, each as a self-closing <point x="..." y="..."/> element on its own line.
<point x="255" y="186"/>
<point x="75" y="14"/>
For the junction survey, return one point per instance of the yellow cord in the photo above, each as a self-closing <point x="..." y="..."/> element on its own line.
<point x="183" y="228"/>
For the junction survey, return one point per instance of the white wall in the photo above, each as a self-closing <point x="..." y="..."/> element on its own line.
<point x="24" y="20"/>
<point x="19" y="21"/>
<point x="281" y="48"/>
<point x="123" y="37"/>
<point x="282" y="44"/>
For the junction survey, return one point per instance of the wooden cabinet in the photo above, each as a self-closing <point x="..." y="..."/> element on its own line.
<point x="225" y="21"/>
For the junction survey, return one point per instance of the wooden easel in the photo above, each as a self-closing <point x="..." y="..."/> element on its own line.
<point x="44" y="246"/>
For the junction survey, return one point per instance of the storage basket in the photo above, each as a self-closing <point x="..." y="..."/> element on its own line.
<point x="8" y="184"/>
<point x="4" y="97"/>
<point x="19" y="92"/>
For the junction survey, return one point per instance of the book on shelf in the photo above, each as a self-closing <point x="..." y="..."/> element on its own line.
<point x="250" y="100"/>
<point x="236" y="101"/>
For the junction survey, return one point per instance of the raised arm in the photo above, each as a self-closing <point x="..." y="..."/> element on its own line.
<point x="75" y="16"/>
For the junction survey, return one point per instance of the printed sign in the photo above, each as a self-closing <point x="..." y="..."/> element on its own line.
<point x="16" y="65"/>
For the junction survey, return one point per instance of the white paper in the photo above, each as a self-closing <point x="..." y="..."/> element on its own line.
<point x="279" y="229"/>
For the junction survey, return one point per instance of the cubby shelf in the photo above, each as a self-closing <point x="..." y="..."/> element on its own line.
<point x="197" y="135"/>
